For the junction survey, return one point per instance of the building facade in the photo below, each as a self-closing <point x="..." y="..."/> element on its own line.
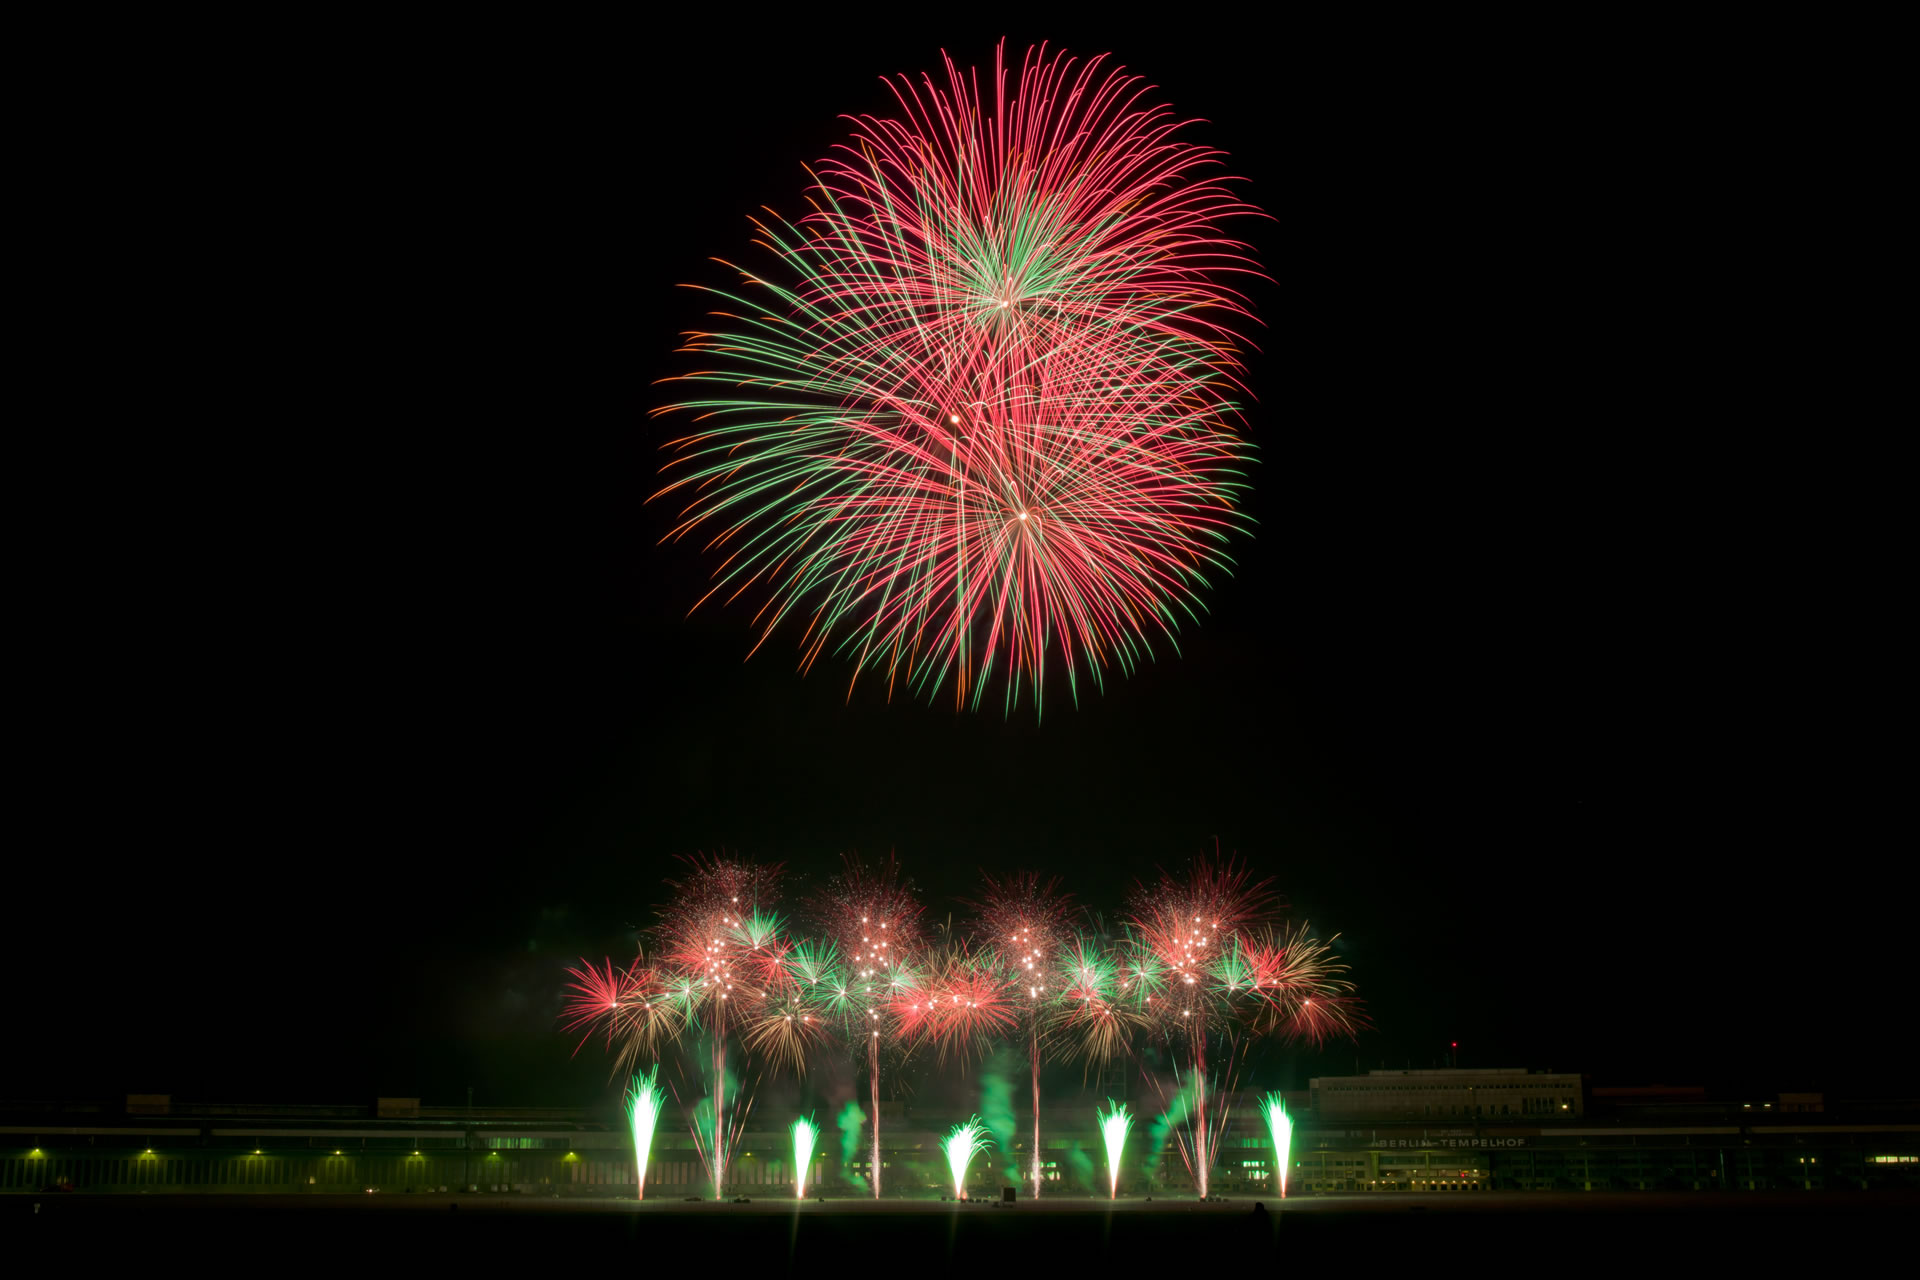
<point x="1512" y="1141"/>
<point x="1497" y="1094"/>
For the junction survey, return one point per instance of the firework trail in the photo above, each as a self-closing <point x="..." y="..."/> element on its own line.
<point x="1280" y="1126"/>
<point x="1115" y="1124"/>
<point x="872" y="919"/>
<point x="805" y="1134"/>
<point x="984" y="407"/>
<point x="1024" y="918"/>
<point x="962" y="1143"/>
<point x="644" y="1104"/>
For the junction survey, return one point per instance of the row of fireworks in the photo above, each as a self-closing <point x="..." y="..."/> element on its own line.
<point x="1199" y="957"/>
<point x="646" y="1102"/>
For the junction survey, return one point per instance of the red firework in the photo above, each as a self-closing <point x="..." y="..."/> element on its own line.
<point x="633" y="1007"/>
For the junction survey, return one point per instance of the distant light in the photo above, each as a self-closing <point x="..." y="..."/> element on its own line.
<point x="1023" y="515"/>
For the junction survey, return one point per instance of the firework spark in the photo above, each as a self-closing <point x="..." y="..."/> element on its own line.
<point x="644" y="1105"/>
<point x="1115" y="1124"/>
<point x="805" y="1134"/>
<point x="962" y="1143"/>
<point x="985" y="408"/>
<point x="1280" y="1126"/>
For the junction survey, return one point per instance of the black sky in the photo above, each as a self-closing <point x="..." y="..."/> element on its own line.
<point x="1533" y="683"/>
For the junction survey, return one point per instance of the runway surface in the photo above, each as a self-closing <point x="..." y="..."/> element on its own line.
<point x="1548" y="1230"/>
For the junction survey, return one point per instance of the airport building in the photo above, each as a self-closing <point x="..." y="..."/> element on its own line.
<point x="1451" y="1131"/>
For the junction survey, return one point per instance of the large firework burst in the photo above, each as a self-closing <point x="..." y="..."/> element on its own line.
<point x="984" y="406"/>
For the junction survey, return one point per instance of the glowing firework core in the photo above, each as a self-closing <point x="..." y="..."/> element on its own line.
<point x="644" y="1103"/>
<point x="964" y="1143"/>
<point x="1280" y="1125"/>
<point x="1114" y="1127"/>
<point x="805" y="1134"/>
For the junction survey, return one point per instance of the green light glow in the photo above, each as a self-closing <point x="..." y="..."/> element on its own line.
<point x="962" y="1144"/>
<point x="1280" y="1125"/>
<point x="1115" y="1124"/>
<point x="644" y="1104"/>
<point x="805" y="1134"/>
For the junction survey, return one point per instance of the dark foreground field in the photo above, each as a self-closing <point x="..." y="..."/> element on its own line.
<point x="1536" y="1230"/>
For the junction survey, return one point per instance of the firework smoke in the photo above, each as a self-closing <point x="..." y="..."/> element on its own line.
<point x="850" y="1121"/>
<point x="996" y="1108"/>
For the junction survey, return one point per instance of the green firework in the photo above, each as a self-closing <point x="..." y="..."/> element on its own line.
<point x="1115" y="1124"/>
<point x="1280" y="1125"/>
<point x="805" y="1134"/>
<point x="644" y="1104"/>
<point x="962" y="1144"/>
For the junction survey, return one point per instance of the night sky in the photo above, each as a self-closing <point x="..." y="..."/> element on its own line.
<point x="1533" y="683"/>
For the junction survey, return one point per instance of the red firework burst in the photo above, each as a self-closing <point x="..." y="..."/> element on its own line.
<point x="986" y="407"/>
<point x="969" y="1002"/>
<point x="633" y="1007"/>
<point x="1295" y="984"/>
<point x="718" y="928"/>
<point x="1024" y="919"/>
<point x="870" y="912"/>
<point x="1186" y="922"/>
